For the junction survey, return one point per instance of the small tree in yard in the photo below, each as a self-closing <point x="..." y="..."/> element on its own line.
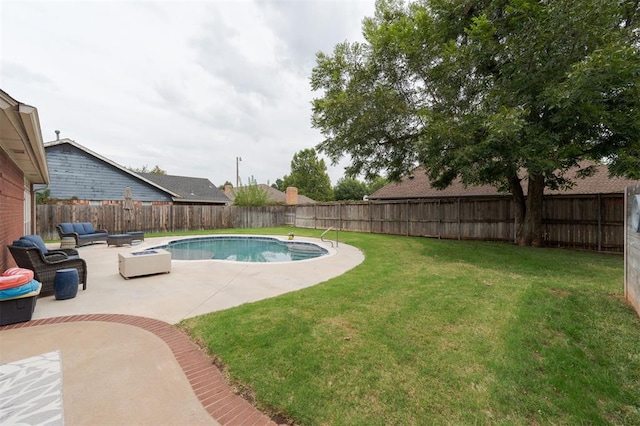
<point x="511" y="93"/>
<point x="251" y="195"/>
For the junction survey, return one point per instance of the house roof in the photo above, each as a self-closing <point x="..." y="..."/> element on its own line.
<point x="182" y="189"/>
<point x="189" y="189"/>
<point x="21" y="138"/>
<point x="275" y="195"/>
<point x="417" y="185"/>
<point x="106" y="160"/>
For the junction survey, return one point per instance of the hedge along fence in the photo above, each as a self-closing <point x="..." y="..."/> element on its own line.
<point x="631" y="253"/>
<point x="594" y="222"/>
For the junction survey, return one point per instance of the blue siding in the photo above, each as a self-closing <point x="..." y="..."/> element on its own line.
<point x="74" y="173"/>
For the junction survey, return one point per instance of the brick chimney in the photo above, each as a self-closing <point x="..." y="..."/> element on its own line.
<point x="291" y="195"/>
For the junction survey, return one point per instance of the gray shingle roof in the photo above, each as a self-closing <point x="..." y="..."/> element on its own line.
<point x="189" y="189"/>
<point x="418" y="185"/>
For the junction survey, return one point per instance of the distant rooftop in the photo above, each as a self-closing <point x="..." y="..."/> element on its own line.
<point x="418" y="185"/>
<point x="189" y="189"/>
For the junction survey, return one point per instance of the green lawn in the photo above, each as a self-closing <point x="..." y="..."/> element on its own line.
<point x="429" y="331"/>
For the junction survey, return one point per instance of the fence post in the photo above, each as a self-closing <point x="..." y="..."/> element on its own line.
<point x="600" y="222"/>
<point x="459" y="222"/>
<point x="439" y="218"/>
<point x="408" y="218"/>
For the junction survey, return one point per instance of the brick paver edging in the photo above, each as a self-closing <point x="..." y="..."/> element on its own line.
<point x="205" y="378"/>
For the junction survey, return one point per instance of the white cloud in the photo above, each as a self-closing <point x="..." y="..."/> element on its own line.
<point x="184" y="85"/>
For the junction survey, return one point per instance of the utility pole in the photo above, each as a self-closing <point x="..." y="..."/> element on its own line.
<point x="238" y="159"/>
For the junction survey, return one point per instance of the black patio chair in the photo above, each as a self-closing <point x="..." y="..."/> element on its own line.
<point x="44" y="268"/>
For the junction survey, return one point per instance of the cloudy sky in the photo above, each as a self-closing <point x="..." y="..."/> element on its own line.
<point x="186" y="85"/>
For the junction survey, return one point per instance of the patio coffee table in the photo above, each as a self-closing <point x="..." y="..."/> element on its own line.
<point x="155" y="261"/>
<point x="119" y="239"/>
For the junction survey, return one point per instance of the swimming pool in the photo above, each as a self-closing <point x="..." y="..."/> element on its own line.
<point x="243" y="249"/>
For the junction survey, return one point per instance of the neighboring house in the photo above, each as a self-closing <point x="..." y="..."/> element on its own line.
<point x="81" y="175"/>
<point x="417" y="185"/>
<point x="291" y="197"/>
<point x="190" y="190"/>
<point x="23" y="164"/>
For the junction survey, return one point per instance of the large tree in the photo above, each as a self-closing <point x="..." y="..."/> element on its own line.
<point x="511" y="93"/>
<point x="309" y="175"/>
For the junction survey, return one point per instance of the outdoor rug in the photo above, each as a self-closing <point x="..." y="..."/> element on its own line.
<point x="31" y="391"/>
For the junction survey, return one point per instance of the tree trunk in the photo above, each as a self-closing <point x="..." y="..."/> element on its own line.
<point x="520" y="204"/>
<point x="532" y="232"/>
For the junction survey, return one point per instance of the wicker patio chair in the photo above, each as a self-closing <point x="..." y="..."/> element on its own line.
<point x="44" y="268"/>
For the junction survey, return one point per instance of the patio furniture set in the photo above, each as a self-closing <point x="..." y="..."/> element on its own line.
<point x="45" y="272"/>
<point x="84" y="233"/>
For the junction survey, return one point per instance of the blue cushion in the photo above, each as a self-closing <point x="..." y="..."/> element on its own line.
<point x="37" y="241"/>
<point x="24" y="243"/>
<point x="88" y="228"/>
<point x="10" y="293"/>
<point x="77" y="227"/>
<point x="67" y="228"/>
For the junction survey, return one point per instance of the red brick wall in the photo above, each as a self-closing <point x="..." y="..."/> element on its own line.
<point x="11" y="207"/>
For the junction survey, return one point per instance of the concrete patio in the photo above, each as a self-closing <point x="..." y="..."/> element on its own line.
<point x="193" y="287"/>
<point x="121" y="360"/>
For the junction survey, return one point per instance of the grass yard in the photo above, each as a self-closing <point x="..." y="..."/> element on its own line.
<point x="431" y="331"/>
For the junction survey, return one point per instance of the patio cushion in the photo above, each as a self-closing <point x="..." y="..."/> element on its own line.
<point x="77" y="227"/>
<point x="67" y="228"/>
<point x="88" y="228"/>
<point x="10" y="293"/>
<point x="37" y="241"/>
<point x="24" y="243"/>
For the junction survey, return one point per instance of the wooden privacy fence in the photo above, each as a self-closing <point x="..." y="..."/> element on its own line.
<point x="592" y="222"/>
<point x="158" y="218"/>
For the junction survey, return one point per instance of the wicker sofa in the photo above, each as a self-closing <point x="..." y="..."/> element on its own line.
<point x="82" y="232"/>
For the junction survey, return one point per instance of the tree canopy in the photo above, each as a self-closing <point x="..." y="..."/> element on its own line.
<point x="279" y="185"/>
<point x="511" y="93"/>
<point x="350" y="189"/>
<point x="309" y="175"/>
<point x="145" y="169"/>
<point x="224" y="185"/>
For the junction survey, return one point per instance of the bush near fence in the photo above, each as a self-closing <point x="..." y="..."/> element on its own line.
<point x="591" y="222"/>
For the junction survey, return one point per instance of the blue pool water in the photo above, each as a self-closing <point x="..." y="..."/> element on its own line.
<point x="243" y="249"/>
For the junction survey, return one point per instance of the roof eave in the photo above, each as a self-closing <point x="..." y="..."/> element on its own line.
<point x="21" y="139"/>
